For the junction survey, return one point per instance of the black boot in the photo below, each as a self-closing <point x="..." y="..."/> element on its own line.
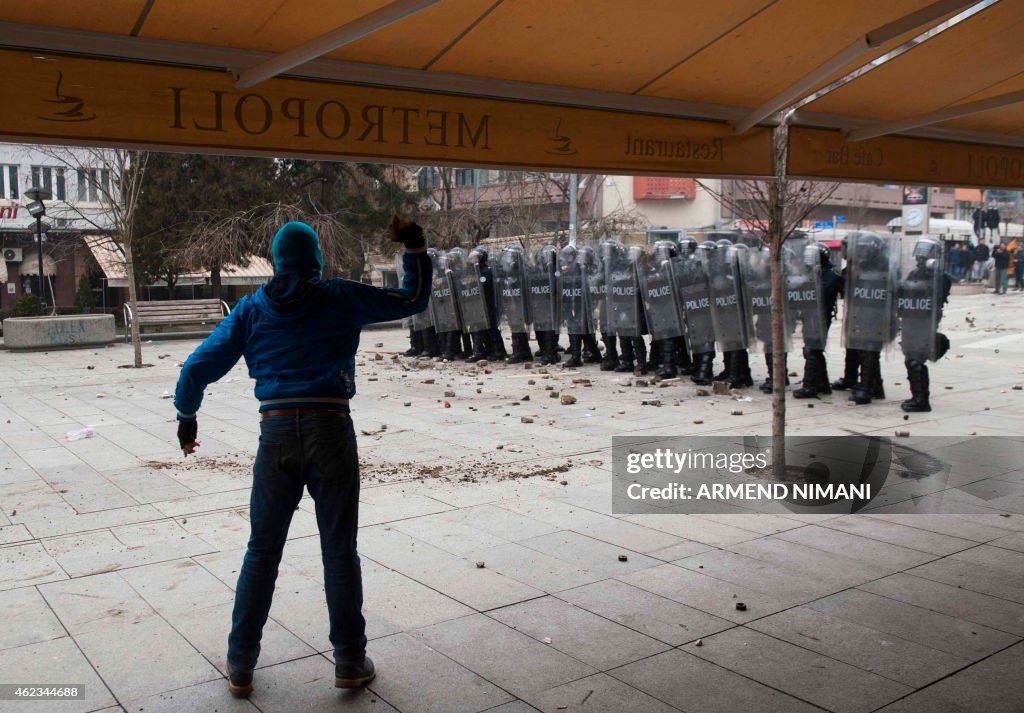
<point x="917" y="375"/>
<point x="467" y="345"/>
<point x="870" y="379"/>
<point x="415" y="343"/>
<point x="450" y="342"/>
<point x="739" y="376"/>
<point x="640" y="354"/>
<point x="496" y="345"/>
<point x="815" y="378"/>
<point x="877" y="389"/>
<point x="767" y="384"/>
<point x="431" y="346"/>
<point x="683" y="360"/>
<point x="591" y="351"/>
<point x="575" y="352"/>
<point x="479" y="352"/>
<point x="723" y="375"/>
<point x="704" y="373"/>
<point x="611" y="354"/>
<point x="551" y="353"/>
<point x="666" y="359"/>
<point x="850" y="369"/>
<point x="626" y="356"/>
<point x="520" y="348"/>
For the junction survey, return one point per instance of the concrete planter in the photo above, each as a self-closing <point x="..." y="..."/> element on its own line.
<point x="73" y="330"/>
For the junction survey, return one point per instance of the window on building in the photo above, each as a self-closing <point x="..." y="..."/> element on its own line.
<point x="93" y="185"/>
<point x="51" y="178"/>
<point x="427" y="179"/>
<point x="9" y="182"/>
<point x="464" y="177"/>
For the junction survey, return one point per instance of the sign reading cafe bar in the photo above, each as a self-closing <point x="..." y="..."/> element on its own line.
<point x="56" y="98"/>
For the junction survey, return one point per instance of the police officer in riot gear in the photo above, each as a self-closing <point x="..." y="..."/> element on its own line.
<point x="921" y="296"/>
<point x="444" y="307"/>
<point x="755" y="267"/>
<point x="818" y="270"/>
<point x="695" y="299"/>
<point x="575" y="269"/>
<point x="662" y="310"/>
<point x="633" y="347"/>
<point x="623" y="309"/>
<point x="543" y="301"/>
<point x="869" y="322"/>
<point x="493" y="343"/>
<point x="610" y="250"/>
<point x="513" y="291"/>
<point x="732" y="328"/>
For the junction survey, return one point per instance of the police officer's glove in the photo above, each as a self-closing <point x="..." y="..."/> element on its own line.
<point x="188" y="429"/>
<point x="409" y="234"/>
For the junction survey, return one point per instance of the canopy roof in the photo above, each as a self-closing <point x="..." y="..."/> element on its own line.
<point x="110" y="257"/>
<point x="659" y="87"/>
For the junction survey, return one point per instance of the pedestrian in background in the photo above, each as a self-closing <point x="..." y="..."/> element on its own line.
<point x="1001" y="257"/>
<point x="1018" y="268"/>
<point x="981" y="256"/>
<point x="967" y="262"/>
<point x="955" y="261"/>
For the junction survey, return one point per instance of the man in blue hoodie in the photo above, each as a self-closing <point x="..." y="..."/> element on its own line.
<point x="299" y="336"/>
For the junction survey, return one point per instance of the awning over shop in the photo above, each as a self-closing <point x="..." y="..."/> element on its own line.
<point x="663" y="87"/>
<point x="110" y="258"/>
<point x="29" y="267"/>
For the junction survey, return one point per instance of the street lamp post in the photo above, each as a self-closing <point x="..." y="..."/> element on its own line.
<point x="37" y="209"/>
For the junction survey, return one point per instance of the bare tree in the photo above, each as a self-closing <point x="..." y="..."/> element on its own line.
<point x="217" y="241"/>
<point x="112" y="178"/>
<point x="774" y="209"/>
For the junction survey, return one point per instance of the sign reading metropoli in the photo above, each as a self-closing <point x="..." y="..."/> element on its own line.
<point x="54" y="98"/>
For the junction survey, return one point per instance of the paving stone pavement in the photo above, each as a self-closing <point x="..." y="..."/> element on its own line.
<point x="118" y="557"/>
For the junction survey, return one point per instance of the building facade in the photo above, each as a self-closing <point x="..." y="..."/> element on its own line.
<point x="75" y="210"/>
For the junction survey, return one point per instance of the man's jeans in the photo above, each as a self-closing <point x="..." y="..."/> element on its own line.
<point x="316" y="451"/>
<point x="1002" y="279"/>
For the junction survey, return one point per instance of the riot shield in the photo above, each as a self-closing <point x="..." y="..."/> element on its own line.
<point x="574" y="291"/>
<point x="869" y="321"/>
<point x="691" y="282"/>
<point x="623" y="300"/>
<point x="443" y="306"/>
<point x="597" y="289"/>
<point x="543" y="298"/>
<point x="468" y="291"/>
<point x="420" y="320"/>
<point x="513" y="289"/>
<point x="658" y="295"/>
<point x="920" y="297"/>
<point x="804" y="300"/>
<point x="756" y="271"/>
<point x="728" y="311"/>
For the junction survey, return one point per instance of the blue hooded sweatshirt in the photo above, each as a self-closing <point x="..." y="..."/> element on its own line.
<point x="298" y="333"/>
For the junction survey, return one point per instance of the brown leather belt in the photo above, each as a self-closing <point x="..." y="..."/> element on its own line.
<point x="269" y="413"/>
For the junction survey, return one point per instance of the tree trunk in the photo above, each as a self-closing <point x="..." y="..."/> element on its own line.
<point x="215" y="280"/>
<point x="777" y="194"/>
<point x="779" y="366"/>
<point x="133" y="303"/>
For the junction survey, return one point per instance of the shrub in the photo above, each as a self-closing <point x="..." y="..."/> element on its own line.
<point x="85" y="300"/>
<point x="27" y="306"/>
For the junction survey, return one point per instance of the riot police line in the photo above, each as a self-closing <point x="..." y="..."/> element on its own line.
<point x="694" y="300"/>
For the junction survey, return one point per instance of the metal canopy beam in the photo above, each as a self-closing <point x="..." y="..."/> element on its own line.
<point x="859" y="47"/>
<point x="936" y="117"/>
<point x="339" y="37"/>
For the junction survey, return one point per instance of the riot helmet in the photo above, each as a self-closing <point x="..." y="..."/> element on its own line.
<point x="588" y="258"/>
<point x="664" y="250"/>
<point x="687" y="246"/>
<point x="927" y="252"/>
<point x="636" y="254"/>
<point x="479" y="255"/>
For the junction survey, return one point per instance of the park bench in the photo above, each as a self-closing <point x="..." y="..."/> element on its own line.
<point x="171" y="313"/>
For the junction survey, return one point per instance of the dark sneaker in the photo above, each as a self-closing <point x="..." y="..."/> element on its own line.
<point x="239" y="681"/>
<point x="354" y="675"/>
